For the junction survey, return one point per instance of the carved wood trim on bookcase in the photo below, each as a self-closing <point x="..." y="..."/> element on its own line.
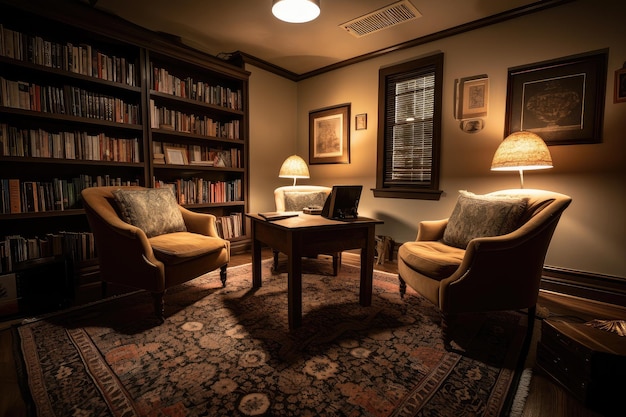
<point x="599" y="287"/>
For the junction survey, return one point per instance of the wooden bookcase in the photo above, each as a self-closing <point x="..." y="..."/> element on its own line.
<point x="88" y="99"/>
<point x="198" y="140"/>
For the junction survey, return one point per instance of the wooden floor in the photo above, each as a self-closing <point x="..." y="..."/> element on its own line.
<point x="545" y="398"/>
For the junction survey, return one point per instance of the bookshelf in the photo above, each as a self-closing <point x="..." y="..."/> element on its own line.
<point x="198" y="140"/>
<point x="104" y="102"/>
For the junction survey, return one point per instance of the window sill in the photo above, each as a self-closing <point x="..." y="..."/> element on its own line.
<point x="407" y="193"/>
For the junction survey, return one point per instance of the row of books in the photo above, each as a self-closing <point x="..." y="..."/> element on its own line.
<point x="202" y="191"/>
<point x="200" y="154"/>
<point x="79" y="58"/>
<point x="18" y="196"/>
<point x="39" y="143"/>
<point x="77" y="246"/>
<point x="229" y="227"/>
<point x="164" y="118"/>
<point x="70" y="100"/>
<point x="164" y="82"/>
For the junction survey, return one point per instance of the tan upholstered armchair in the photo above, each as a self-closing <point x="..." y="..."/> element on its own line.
<point x="298" y="197"/>
<point x="460" y="272"/>
<point x="149" y="259"/>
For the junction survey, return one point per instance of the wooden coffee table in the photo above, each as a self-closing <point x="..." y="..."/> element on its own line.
<point x="307" y="233"/>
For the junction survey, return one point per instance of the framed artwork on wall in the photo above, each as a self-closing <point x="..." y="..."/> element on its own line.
<point x="620" y="85"/>
<point x="360" y="121"/>
<point x="472" y="97"/>
<point x="561" y="100"/>
<point x="329" y="135"/>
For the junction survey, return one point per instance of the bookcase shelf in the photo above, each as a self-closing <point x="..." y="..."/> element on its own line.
<point x="78" y="106"/>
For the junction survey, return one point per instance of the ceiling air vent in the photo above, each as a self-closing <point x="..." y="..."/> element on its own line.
<point x="392" y="15"/>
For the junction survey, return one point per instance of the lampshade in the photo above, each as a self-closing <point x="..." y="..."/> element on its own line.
<point x="521" y="151"/>
<point x="296" y="11"/>
<point x="294" y="167"/>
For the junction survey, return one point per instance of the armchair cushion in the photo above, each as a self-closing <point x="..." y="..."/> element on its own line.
<point x="297" y="200"/>
<point x="153" y="210"/>
<point x="481" y="216"/>
<point x="432" y="258"/>
<point x="174" y="248"/>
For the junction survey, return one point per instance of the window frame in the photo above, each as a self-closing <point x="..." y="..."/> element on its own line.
<point x="422" y="192"/>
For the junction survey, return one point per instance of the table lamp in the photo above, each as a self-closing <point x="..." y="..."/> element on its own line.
<point x="294" y="167"/>
<point x="521" y="151"/>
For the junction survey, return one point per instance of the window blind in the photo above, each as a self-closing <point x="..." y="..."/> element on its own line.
<point x="410" y="102"/>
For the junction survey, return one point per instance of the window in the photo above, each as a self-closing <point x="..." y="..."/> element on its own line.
<point x="409" y="130"/>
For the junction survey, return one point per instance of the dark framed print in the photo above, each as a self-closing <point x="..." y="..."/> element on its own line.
<point x="561" y="100"/>
<point x="620" y="86"/>
<point x="329" y="135"/>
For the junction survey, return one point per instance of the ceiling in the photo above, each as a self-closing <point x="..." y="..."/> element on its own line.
<point x="248" y="26"/>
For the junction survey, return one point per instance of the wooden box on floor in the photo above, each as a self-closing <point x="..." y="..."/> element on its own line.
<point x="590" y="363"/>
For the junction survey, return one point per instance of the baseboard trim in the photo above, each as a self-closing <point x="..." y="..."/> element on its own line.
<point x="599" y="287"/>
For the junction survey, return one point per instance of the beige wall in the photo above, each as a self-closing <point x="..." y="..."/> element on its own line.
<point x="592" y="233"/>
<point x="273" y="130"/>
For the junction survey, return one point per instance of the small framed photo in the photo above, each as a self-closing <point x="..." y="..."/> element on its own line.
<point x="329" y="135"/>
<point x="175" y="156"/>
<point x="620" y="86"/>
<point x="360" y="121"/>
<point x="472" y="97"/>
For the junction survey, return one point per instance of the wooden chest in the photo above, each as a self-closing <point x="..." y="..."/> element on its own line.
<point x="590" y="363"/>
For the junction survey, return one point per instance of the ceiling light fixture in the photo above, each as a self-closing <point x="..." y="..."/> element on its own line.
<point x="296" y="11"/>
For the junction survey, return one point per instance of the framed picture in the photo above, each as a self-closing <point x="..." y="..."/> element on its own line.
<point x="329" y="135"/>
<point x="620" y="86"/>
<point x="472" y="97"/>
<point x="560" y="100"/>
<point x="175" y="156"/>
<point x="360" y="121"/>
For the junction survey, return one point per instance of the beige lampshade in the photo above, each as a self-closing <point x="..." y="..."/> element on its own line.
<point x="521" y="151"/>
<point x="296" y="11"/>
<point x="294" y="167"/>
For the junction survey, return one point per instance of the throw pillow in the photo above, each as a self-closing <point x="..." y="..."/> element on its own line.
<point x="482" y="216"/>
<point x="297" y="200"/>
<point x="153" y="210"/>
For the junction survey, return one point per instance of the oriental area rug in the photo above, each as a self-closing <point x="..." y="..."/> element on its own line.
<point x="229" y="352"/>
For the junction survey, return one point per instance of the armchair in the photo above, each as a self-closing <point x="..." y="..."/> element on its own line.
<point x="484" y="272"/>
<point x="298" y="197"/>
<point x="154" y="257"/>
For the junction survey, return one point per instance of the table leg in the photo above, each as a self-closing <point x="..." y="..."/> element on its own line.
<point x="294" y="283"/>
<point x="256" y="262"/>
<point x="367" y="268"/>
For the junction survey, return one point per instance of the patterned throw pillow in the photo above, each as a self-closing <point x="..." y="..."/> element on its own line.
<point x="297" y="200"/>
<point x="481" y="216"/>
<point x="153" y="210"/>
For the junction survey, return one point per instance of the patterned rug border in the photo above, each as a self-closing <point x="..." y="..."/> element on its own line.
<point x="120" y="402"/>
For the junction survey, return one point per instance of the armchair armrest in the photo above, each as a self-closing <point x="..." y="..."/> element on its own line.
<point x="122" y="238"/>
<point x="121" y="247"/>
<point x="431" y="229"/>
<point x="201" y="223"/>
<point x="504" y="272"/>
